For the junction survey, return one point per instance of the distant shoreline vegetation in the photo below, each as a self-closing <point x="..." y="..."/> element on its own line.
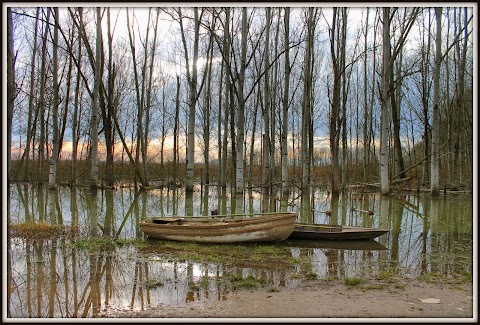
<point x="161" y="175"/>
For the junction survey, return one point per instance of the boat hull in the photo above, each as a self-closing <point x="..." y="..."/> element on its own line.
<point x="268" y="228"/>
<point x="334" y="232"/>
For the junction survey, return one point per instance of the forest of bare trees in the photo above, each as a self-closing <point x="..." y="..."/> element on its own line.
<point x="274" y="98"/>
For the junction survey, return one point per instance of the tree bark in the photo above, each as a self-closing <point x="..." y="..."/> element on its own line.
<point x="175" y="132"/>
<point x="434" y="179"/>
<point x="306" y="105"/>
<point x="42" y="144"/>
<point x="52" y="179"/>
<point x="385" y="105"/>
<point x="366" y="115"/>
<point x="285" y="104"/>
<point x="30" y="125"/>
<point x="239" y="185"/>
<point x="11" y="89"/>
<point x="192" y="82"/>
<point x="76" y="105"/>
<point x="95" y="100"/>
<point x="337" y="49"/>
<point x="266" y="109"/>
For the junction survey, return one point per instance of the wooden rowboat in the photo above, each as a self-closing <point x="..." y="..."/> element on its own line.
<point x="334" y="232"/>
<point x="262" y="227"/>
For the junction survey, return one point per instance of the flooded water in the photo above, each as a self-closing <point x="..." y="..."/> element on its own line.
<point x="111" y="268"/>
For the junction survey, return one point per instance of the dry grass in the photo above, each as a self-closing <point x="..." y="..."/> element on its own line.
<point x="41" y="230"/>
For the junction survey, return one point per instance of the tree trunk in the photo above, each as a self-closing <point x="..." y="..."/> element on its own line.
<point x="107" y="111"/>
<point x="30" y="126"/>
<point x="252" y="143"/>
<point x="344" y="92"/>
<point x="175" y="132"/>
<point x="285" y="189"/>
<point x="207" y="112"/>
<point x="266" y="108"/>
<point x="366" y="116"/>
<point x="239" y="185"/>
<point x="149" y="92"/>
<point x="460" y="101"/>
<point x="139" y="90"/>
<point x="11" y="89"/>
<point x="306" y="105"/>
<point x="434" y="179"/>
<point x="76" y="105"/>
<point x="192" y="82"/>
<point x="385" y="105"/>
<point x="95" y="100"/>
<point x="41" y="144"/>
<point x="337" y="49"/>
<point x="226" y="58"/>
<point x="52" y="179"/>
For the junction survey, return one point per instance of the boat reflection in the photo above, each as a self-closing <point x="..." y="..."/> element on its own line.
<point x="69" y="278"/>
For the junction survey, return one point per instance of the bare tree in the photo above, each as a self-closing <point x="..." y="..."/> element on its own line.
<point x="11" y="88"/>
<point x="285" y="104"/>
<point x="436" y="98"/>
<point x="307" y="102"/>
<point x="55" y="137"/>
<point x="192" y="82"/>
<point x="41" y="105"/>
<point x="30" y="124"/>
<point x="241" y="109"/>
<point x="384" y="124"/>
<point x="266" y="108"/>
<point x="76" y="105"/>
<point x="388" y="92"/>
<point x="337" y="49"/>
<point x="95" y="100"/>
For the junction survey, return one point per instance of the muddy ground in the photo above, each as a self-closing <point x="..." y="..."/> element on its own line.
<point x="331" y="299"/>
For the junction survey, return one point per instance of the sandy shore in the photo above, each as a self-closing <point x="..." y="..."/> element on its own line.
<point x="333" y="299"/>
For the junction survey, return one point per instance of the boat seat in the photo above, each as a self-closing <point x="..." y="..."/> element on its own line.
<point x="168" y="221"/>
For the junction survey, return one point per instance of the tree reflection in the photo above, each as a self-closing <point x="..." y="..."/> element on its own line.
<point x="58" y="278"/>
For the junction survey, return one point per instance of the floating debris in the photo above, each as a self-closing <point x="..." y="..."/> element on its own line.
<point x="430" y="301"/>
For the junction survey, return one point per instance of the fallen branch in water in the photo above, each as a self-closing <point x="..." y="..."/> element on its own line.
<point x="369" y="212"/>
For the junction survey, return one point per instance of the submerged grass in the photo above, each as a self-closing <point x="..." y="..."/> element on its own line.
<point x="227" y="254"/>
<point x="104" y="243"/>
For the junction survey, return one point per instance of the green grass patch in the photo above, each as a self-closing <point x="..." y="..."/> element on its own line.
<point x="137" y="242"/>
<point x="385" y="275"/>
<point x="372" y="287"/>
<point x="311" y="275"/>
<point x="249" y="282"/>
<point x="351" y="282"/>
<point x="399" y="286"/>
<point x="93" y="243"/>
<point x="273" y="289"/>
<point x="430" y="277"/>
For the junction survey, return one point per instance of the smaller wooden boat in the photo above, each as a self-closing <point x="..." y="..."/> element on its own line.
<point x="262" y="227"/>
<point x="349" y="245"/>
<point x="334" y="232"/>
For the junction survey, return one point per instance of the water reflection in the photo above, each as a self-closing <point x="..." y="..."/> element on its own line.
<point x="61" y="278"/>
